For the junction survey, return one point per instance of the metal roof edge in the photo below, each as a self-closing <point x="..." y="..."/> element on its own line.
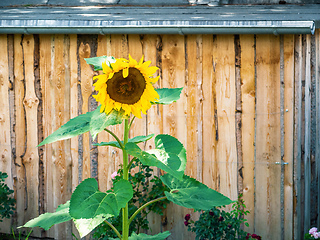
<point x="156" y="27"/>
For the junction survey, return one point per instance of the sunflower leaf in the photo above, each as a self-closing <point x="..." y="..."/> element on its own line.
<point x="143" y="236"/>
<point x="88" y="202"/>
<point x="169" y="155"/>
<point x="168" y="95"/>
<point x="137" y="139"/>
<point x="97" y="61"/>
<point x="47" y="220"/>
<point x="85" y="226"/>
<point x="93" y="121"/>
<point x="190" y="193"/>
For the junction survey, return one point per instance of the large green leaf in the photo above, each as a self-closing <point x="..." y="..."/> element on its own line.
<point x="143" y="236"/>
<point x="85" y="226"/>
<point x="137" y="139"/>
<point x="168" y="95"/>
<point x="97" y="61"/>
<point x="47" y="220"/>
<point x="169" y="155"/>
<point x="88" y="202"/>
<point x="93" y="121"/>
<point x="190" y="193"/>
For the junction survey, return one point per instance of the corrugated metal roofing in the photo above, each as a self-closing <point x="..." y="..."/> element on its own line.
<point x="187" y="19"/>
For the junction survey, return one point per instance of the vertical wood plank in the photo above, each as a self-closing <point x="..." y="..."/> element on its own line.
<point x="59" y="89"/>
<point x="268" y="173"/>
<point x="174" y="120"/>
<point x="307" y="140"/>
<point x="86" y="91"/>
<point x="194" y="106"/>
<point x="288" y="134"/>
<point x="298" y="60"/>
<point x="209" y="174"/>
<point x="31" y="157"/>
<point x="248" y="94"/>
<point x="74" y="107"/>
<point x="48" y="107"/>
<point x="224" y="60"/>
<point x="317" y="64"/>
<point x="19" y="128"/>
<point x="5" y="136"/>
<point x="154" y="118"/>
<point x="105" y="166"/>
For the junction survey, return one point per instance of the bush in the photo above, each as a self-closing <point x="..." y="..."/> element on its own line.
<point x="218" y="224"/>
<point x="7" y="202"/>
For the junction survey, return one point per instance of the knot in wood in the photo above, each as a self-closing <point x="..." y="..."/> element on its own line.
<point x="31" y="102"/>
<point x="2" y="118"/>
<point x="1" y="80"/>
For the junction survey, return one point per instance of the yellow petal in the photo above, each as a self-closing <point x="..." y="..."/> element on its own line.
<point x="125" y="72"/>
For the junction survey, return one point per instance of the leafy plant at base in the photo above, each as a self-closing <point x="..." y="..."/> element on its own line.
<point x="124" y="91"/>
<point x="219" y="224"/>
<point x="7" y="202"/>
<point x="142" y="192"/>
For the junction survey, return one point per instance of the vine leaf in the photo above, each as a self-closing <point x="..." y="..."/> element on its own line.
<point x="168" y="95"/>
<point x="191" y="193"/>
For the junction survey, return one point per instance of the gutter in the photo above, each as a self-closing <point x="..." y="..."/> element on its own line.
<point x="155" y="27"/>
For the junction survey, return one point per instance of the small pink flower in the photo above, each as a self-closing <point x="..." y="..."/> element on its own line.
<point x="113" y="175"/>
<point x="316" y="235"/>
<point x="313" y="230"/>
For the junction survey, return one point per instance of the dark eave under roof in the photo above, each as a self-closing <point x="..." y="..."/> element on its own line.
<point x="184" y="19"/>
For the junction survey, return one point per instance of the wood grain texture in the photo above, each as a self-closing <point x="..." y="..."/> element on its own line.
<point x="288" y="134"/>
<point x="174" y="121"/>
<point x="248" y="96"/>
<point x="224" y="61"/>
<point x="5" y="138"/>
<point x="268" y="173"/>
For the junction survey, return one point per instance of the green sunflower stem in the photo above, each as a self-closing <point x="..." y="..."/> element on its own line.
<point x="125" y="212"/>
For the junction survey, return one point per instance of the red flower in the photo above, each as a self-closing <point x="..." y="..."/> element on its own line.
<point x="186" y="223"/>
<point x="187" y="217"/>
<point x="211" y="213"/>
<point x="220" y="219"/>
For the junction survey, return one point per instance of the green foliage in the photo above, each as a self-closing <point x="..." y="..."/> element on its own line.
<point x="146" y="187"/>
<point x="143" y="236"/>
<point x="97" y="61"/>
<point x="88" y="202"/>
<point x="136" y="140"/>
<point x="7" y="202"/>
<point x="169" y="155"/>
<point x="168" y="95"/>
<point x="94" y="122"/>
<point x="221" y="225"/>
<point x="190" y="193"/>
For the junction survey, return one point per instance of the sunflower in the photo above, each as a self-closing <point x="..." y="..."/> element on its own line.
<point x="127" y="85"/>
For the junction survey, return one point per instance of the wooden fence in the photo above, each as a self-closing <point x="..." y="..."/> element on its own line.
<point x="248" y="117"/>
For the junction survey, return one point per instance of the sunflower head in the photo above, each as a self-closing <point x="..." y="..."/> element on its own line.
<point x="127" y="85"/>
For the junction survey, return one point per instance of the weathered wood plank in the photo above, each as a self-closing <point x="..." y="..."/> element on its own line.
<point x="224" y="60"/>
<point x="105" y="166"/>
<point x="86" y="91"/>
<point x="209" y="173"/>
<point x="317" y="70"/>
<point x="248" y="94"/>
<point x="46" y="72"/>
<point x="20" y="137"/>
<point x="31" y="157"/>
<point x="154" y="117"/>
<point x="307" y="137"/>
<point x="74" y="108"/>
<point x="298" y="60"/>
<point x="268" y="173"/>
<point x="60" y="90"/>
<point x="5" y="138"/>
<point x="174" y="121"/>
<point x="288" y="51"/>
<point x="194" y="106"/>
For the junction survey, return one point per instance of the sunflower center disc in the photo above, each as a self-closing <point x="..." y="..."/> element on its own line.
<point x="126" y="90"/>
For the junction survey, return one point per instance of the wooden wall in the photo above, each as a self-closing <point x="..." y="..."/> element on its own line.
<point x="248" y="117"/>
